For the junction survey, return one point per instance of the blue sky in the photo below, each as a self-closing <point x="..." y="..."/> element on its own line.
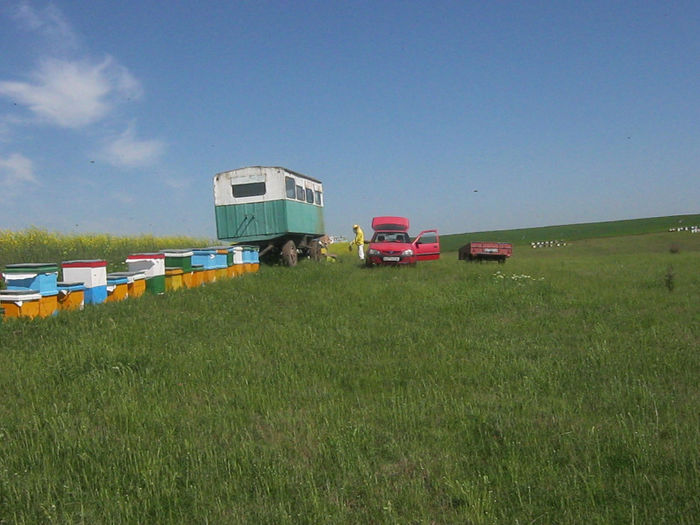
<point x="465" y="116"/>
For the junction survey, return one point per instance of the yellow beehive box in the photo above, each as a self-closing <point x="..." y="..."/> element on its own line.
<point x="197" y="275"/>
<point x="117" y="288"/>
<point x="209" y="275"/>
<point x="48" y="305"/>
<point x="188" y="279"/>
<point x="71" y="296"/>
<point x="20" y="303"/>
<point x="173" y="278"/>
<point x="137" y="287"/>
<point x="135" y="282"/>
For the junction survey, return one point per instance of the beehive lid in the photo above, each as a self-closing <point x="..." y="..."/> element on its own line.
<point x="135" y="276"/>
<point x="70" y="287"/>
<point x="31" y="268"/>
<point x="85" y="263"/>
<point x="135" y="256"/>
<point x="19" y="295"/>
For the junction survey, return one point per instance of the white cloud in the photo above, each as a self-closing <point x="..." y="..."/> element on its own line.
<point x="50" y="24"/>
<point x="177" y="183"/>
<point x="73" y="94"/>
<point x="16" y="172"/>
<point x="122" y="197"/>
<point x="128" y="151"/>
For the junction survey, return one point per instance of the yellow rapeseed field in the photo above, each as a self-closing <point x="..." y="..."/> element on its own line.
<point x="38" y="245"/>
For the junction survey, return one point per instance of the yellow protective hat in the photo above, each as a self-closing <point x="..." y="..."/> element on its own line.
<point x="355" y="226"/>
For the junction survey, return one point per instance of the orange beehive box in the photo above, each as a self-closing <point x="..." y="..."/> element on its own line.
<point x="188" y="279"/>
<point x="20" y="303"/>
<point x="48" y="305"/>
<point x="71" y="296"/>
<point x="135" y="282"/>
<point x="209" y="275"/>
<point x="117" y="288"/>
<point x="137" y="287"/>
<point x="198" y="275"/>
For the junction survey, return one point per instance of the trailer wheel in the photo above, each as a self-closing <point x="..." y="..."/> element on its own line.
<point x="315" y="250"/>
<point x="289" y="253"/>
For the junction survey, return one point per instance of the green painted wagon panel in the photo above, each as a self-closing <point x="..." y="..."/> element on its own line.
<point x="267" y="220"/>
<point x="259" y="219"/>
<point x="304" y="218"/>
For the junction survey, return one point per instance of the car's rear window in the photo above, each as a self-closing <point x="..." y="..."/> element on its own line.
<point x="390" y="237"/>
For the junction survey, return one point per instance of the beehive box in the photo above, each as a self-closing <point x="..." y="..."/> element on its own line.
<point x="92" y="273"/>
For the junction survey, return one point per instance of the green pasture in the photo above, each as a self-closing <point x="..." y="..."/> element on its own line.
<point x="574" y="232"/>
<point x="560" y="387"/>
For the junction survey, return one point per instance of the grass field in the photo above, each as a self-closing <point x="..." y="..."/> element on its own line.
<point x="574" y="232"/>
<point x="561" y="387"/>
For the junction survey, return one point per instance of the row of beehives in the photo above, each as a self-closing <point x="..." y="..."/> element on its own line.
<point x="547" y="244"/>
<point x="34" y="290"/>
<point x="691" y="229"/>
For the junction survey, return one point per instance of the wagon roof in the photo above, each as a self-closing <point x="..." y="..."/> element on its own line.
<point x="276" y="168"/>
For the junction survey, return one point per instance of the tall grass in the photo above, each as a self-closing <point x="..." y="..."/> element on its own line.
<point x="560" y="387"/>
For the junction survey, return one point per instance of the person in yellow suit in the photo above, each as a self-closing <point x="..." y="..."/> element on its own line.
<point x="359" y="241"/>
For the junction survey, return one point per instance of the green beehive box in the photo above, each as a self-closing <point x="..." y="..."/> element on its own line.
<point x="156" y="284"/>
<point x="178" y="259"/>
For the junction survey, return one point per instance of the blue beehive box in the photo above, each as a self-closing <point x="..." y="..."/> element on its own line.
<point x="204" y="257"/>
<point x="250" y="254"/>
<point x="220" y="256"/>
<point x="42" y="277"/>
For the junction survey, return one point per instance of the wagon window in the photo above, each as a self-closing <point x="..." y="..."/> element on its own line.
<point x="319" y="200"/>
<point x="290" y="186"/>
<point x="309" y="196"/>
<point x="250" y="189"/>
<point x="301" y="194"/>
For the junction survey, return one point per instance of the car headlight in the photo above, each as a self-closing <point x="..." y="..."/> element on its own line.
<point x="407" y="253"/>
<point x="373" y="252"/>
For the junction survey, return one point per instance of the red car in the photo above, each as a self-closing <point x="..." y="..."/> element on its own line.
<point x="391" y="244"/>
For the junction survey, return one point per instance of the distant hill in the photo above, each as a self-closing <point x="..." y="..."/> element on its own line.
<point x="572" y="232"/>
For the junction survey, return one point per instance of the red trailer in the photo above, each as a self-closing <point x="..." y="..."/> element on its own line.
<point x="486" y="251"/>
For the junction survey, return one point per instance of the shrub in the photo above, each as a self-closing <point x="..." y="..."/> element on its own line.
<point x="669" y="278"/>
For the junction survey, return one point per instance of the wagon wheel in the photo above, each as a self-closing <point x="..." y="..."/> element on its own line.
<point x="315" y="251"/>
<point x="289" y="254"/>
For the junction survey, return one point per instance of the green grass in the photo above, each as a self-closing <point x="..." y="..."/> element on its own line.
<point x="573" y="232"/>
<point x="560" y="387"/>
